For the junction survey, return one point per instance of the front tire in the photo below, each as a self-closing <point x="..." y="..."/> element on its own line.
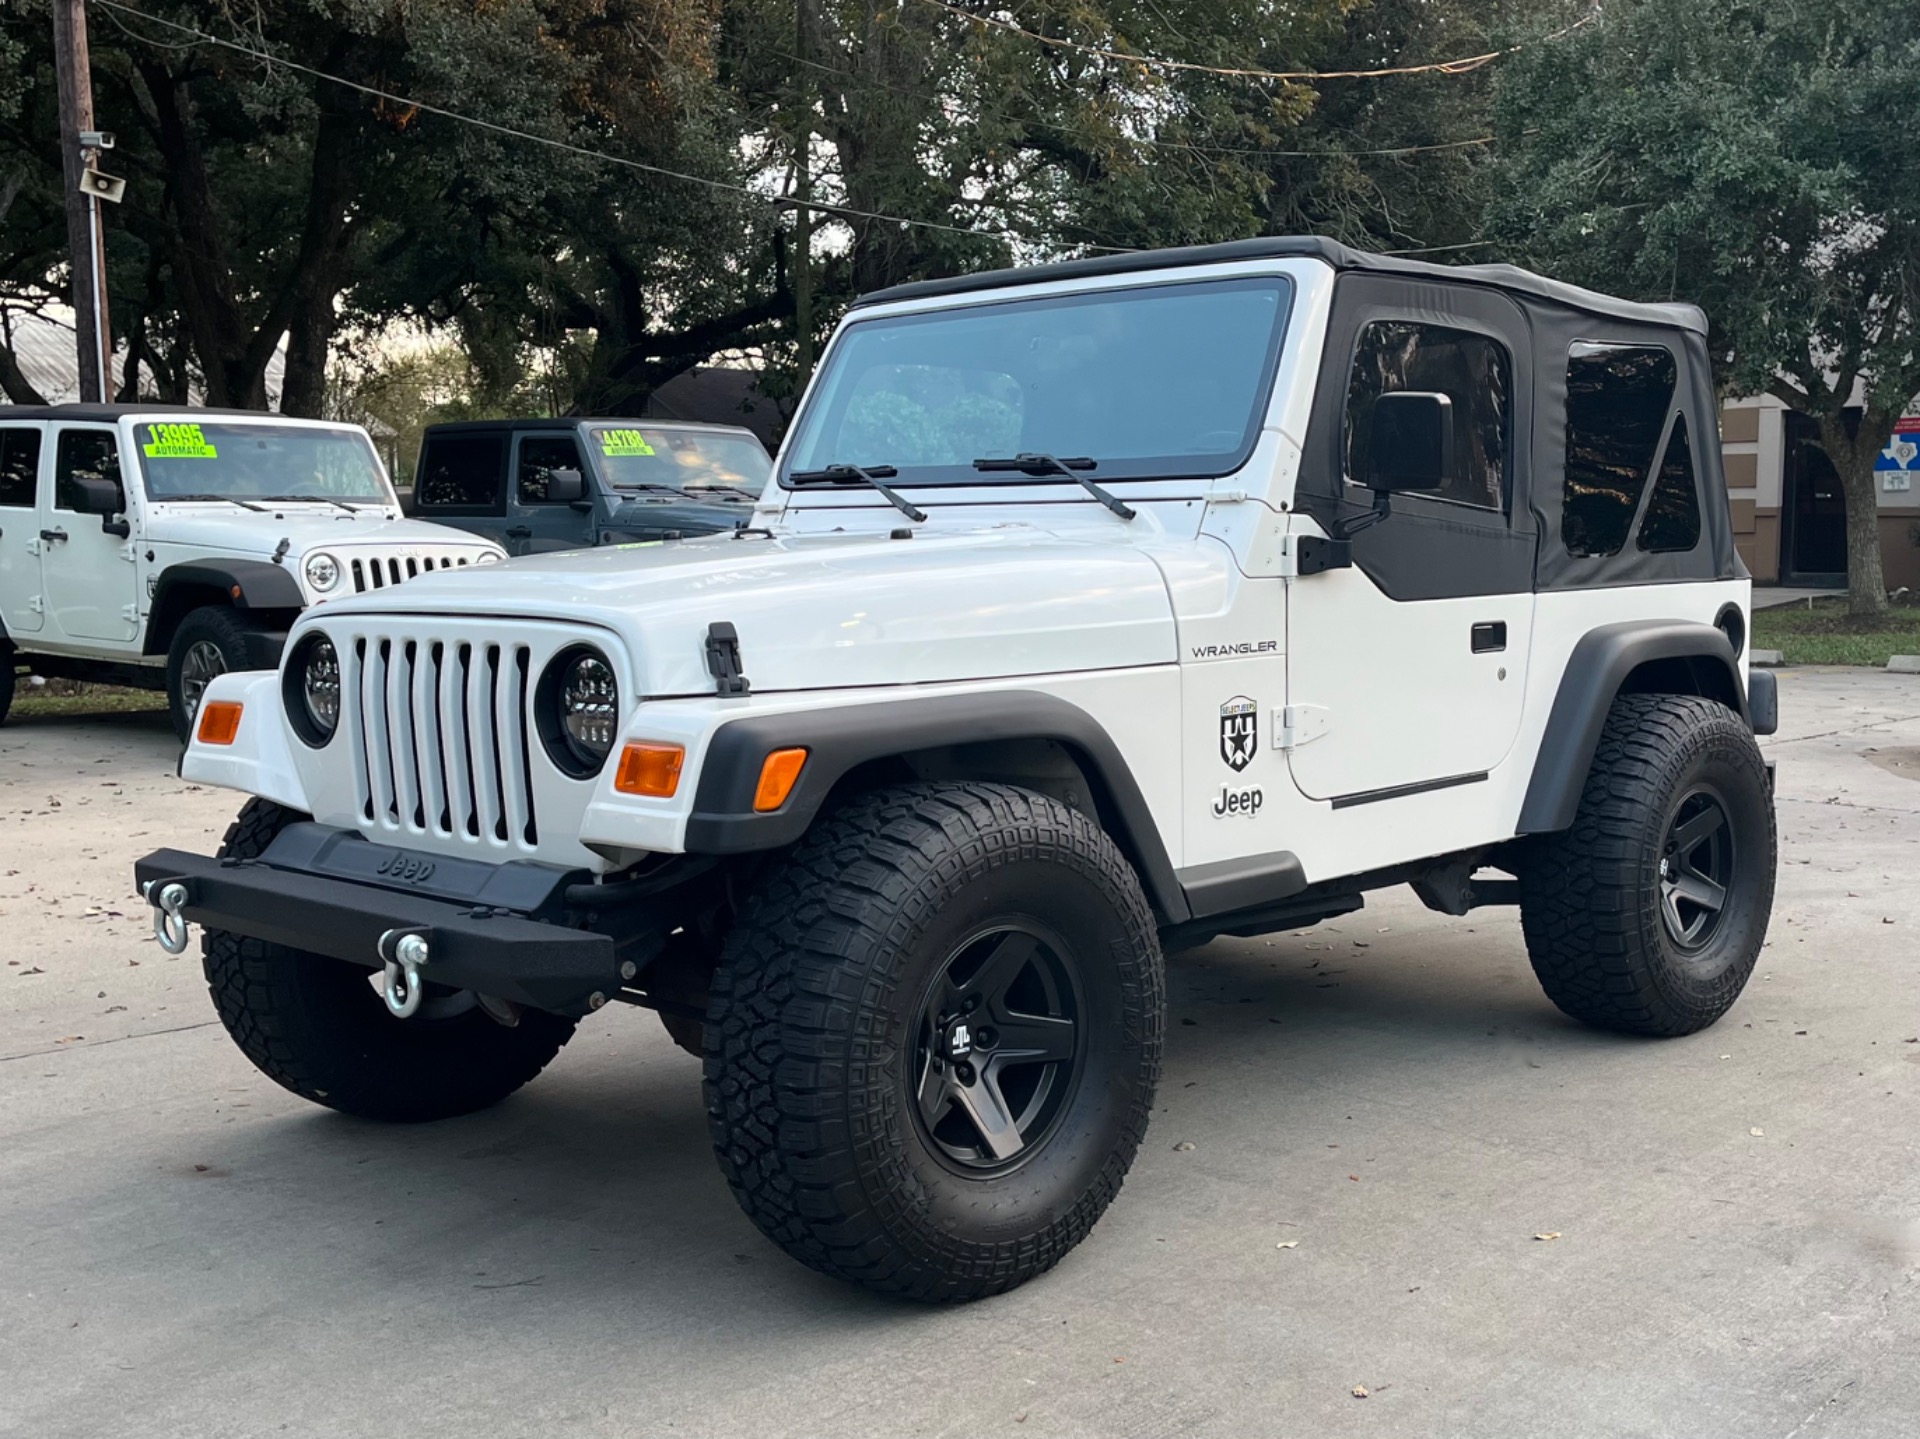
<point x="8" y="679"/>
<point x="1648" y="915"/>
<point x="315" y="1025"/>
<point x="209" y="643"/>
<point x="933" y="1039"/>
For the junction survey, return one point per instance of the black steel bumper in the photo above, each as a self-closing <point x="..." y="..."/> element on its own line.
<point x="330" y="892"/>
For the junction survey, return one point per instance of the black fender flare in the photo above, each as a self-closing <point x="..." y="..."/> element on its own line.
<point x="1596" y="670"/>
<point x="244" y="584"/>
<point x="837" y="739"/>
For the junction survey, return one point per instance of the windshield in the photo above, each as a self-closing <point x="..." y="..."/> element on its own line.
<point x="650" y="457"/>
<point x="1159" y="380"/>
<point x="211" y="460"/>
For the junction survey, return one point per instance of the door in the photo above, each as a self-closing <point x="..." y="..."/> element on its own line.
<point x="1406" y="669"/>
<point x="462" y="481"/>
<point x="88" y="573"/>
<point x="21" y="605"/>
<point x="540" y="523"/>
<point x="1813" y="538"/>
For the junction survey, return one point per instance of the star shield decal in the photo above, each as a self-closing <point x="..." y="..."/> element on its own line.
<point x="1239" y="732"/>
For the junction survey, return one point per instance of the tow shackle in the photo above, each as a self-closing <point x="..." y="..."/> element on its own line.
<point x="169" y="898"/>
<point x="402" y="953"/>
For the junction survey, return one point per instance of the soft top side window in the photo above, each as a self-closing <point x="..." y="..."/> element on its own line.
<point x="19" y="468"/>
<point x="1618" y="400"/>
<point x="1672" y="520"/>
<point x="462" y="472"/>
<point x="85" y="455"/>
<point x="1470" y="368"/>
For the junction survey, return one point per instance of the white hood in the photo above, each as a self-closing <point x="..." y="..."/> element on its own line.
<point x="828" y="611"/>
<point x="306" y="527"/>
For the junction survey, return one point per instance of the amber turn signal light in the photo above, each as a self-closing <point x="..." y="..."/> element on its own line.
<point x="652" y="770"/>
<point x="219" y="722"/>
<point x="777" y="778"/>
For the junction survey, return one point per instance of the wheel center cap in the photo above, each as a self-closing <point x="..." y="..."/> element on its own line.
<point x="959" y="1040"/>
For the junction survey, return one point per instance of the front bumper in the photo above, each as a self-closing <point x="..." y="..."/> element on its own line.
<point x="331" y="892"/>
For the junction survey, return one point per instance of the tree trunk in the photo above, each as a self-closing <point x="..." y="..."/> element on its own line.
<point x="1853" y="458"/>
<point x="303" y="392"/>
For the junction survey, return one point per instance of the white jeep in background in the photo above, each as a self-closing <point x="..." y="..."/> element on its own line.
<point x="1093" y="611"/>
<point x="160" y="547"/>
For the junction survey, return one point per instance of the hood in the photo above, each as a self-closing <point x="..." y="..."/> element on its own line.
<point x="835" y="610"/>
<point x="305" y="527"/>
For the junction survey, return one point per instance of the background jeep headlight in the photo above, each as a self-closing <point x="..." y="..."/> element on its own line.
<point x="579" y="710"/>
<point x="487" y="557"/>
<point x="323" y="571"/>
<point x="310" y="689"/>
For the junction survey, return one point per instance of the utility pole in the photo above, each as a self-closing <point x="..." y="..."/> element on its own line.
<point x="86" y="242"/>
<point x="803" y="195"/>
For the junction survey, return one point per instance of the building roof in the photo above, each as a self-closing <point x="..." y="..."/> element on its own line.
<point x="1500" y="277"/>
<point x="43" y="346"/>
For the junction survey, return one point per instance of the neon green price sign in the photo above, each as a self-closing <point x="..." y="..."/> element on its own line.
<point x="624" y="442"/>
<point x="177" y="442"/>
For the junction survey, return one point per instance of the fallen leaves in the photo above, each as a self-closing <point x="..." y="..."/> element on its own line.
<point x="1288" y="1244"/>
<point x="1183" y="1147"/>
<point x="1548" y="1235"/>
<point x="1360" y="1391"/>
<point x="1757" y="1132"/>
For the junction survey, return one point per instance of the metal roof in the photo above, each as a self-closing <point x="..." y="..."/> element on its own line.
<point x="106" y="414"/>
<point x="568" y="422"/>
<point x="1341" y="257"/>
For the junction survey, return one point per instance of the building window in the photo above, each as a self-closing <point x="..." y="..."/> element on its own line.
<point x="1469" y="369"/>
<point x="1673" y="513"/>
<point x="1618" y="400"/>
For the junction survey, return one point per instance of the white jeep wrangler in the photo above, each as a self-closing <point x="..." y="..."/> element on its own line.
<point x="1093" y="611"/>
<point x="158" y="547"/>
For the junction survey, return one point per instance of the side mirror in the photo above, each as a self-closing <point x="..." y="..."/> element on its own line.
<point x="566" y="487"/>
<point x="94" y="496"/>
<point x="1409" y="442"/>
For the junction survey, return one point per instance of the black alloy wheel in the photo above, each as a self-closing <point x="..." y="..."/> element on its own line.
<point x="1696" y="866"/>
<point x="999" y="1048"/>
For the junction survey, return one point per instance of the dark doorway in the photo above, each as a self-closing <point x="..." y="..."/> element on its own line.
<point x="1813" y="511"/>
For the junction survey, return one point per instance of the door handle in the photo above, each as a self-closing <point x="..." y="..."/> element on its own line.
<point x="1489" y="636"/>
<point x="51" y="535"/>
<point x="519" y="532"/>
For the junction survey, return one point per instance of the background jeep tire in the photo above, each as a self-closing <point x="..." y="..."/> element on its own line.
<point x="209" y="642"/>
<point x="316" y="1026"/>
<point x="1621" y="915"/>
<point x="912" y="925"/>
<point x="7" y="679"/>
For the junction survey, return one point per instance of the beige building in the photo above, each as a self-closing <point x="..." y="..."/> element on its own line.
<point x="1789" y="520"/>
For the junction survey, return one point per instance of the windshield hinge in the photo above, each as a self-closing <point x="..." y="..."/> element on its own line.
<point x="1311" y="555"/>
<point x="1301" y="724"/>
<point x="723" y="660"/>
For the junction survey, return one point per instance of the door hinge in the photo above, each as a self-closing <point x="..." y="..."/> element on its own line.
<point x="1312" y="554"/>
<point x="1300" y="724"/>
<point x="130" y="613"/>
<point x="38" y="604"/>
<point x="33" y="547"/>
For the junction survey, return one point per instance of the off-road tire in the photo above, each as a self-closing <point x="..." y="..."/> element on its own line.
<point x="7" y="679"/>
<point x="316" y="1026"/>
<point x="216" y="625"/>
<point x="1590" y="897"/>
<point x="810" y="1038"/>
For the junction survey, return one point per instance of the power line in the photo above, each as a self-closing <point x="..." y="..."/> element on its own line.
<point x="1462" y="66"/>
<point x="267" y="57"/>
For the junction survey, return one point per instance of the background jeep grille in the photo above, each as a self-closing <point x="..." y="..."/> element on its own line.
<point x="441" y="745"/>
<point x="377" y="572"/>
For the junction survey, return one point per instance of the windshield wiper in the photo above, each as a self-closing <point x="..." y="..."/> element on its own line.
<point x="1032" y="464"/>
<point x="312" y="499"/>
<point x="874" y="476"/>
<point x="224" y="499"/>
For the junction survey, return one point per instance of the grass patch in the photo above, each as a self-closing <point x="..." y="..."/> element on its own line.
<point x="71" y="697"/>
<point x="1826" y="634"/>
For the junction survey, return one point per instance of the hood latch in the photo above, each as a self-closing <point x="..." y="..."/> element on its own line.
<point x="723" y="660"/>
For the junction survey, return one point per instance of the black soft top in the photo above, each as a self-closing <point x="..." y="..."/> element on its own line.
<point x="1499" y="277"/>
<point x="572" y="422"/>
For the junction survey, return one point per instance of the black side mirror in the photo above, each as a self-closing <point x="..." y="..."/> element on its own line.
<point x="566" y="487"/>
<point x="95" y="496"/>
<point x="1409" y="442"/>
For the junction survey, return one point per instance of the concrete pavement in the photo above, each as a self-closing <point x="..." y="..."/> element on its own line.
<point x="187" y="1250"/>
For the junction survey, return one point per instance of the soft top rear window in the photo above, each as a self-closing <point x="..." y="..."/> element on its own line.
<point x="1148" y="381"/>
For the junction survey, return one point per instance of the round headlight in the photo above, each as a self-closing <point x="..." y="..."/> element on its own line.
<point x="579" y="710"/>
<point x="323" y="571"/>
<point x="487" y="557"/>
<point x="312" y="687"/>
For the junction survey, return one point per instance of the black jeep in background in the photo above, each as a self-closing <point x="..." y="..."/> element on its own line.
<point x="546" y="484"/>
